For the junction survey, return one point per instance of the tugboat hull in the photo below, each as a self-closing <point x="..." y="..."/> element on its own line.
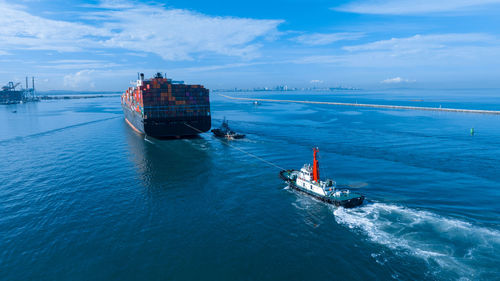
<point x="347" y="202"/>
<point x="220" y="134"/>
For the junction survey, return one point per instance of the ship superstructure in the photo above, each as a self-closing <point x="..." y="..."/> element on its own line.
<point x="160" y="107"/>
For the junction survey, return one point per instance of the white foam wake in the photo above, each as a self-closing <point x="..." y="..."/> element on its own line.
<point x="146" y="139"/>
<point x="448" y="245"/>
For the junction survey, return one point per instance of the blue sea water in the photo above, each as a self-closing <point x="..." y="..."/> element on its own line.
<point x="84" y="197"/>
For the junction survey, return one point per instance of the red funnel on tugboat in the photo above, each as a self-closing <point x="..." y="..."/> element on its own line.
<point x="315" y="165"/>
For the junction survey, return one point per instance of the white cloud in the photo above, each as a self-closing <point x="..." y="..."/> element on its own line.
<point x="80" y="79"/>
<point x="173" y="34"/>
<point x="429" y="49"/>
<point x="396" y="80"/>
<point x="317" y="39"/>
<point x="419" y="43"/>
<point x="436" y="50"/>
<point x="222" y="66"/>
<point x="318" y="59"/>
<point x="397" y="7"/>
<point x="177" y="34"/>
<point x="74" y="61"/>
<point x="21" y="30"/>
<point x="79" y="64"/>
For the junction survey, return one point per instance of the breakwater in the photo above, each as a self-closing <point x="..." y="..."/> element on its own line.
<point x="477" y="111"/>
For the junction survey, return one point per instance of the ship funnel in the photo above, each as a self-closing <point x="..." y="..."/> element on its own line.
<point x="142" y="76"/>
<point x="315" y="165"/>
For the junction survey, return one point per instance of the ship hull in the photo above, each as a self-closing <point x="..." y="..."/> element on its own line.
<point x="167" y="128"/>
<point x="133" y="119"/>
<point x="346" y="203"/>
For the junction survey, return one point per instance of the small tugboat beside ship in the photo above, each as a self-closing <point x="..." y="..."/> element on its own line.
<point x="225" y="132"/>
<point x="307" y="180"/>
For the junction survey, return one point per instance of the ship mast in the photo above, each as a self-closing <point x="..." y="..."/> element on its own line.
<point x="315" y="166"/>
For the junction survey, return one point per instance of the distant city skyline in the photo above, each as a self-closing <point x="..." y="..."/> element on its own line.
<point x="101" y="45"/>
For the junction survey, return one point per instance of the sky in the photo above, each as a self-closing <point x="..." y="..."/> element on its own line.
<point x="102" y="45"/>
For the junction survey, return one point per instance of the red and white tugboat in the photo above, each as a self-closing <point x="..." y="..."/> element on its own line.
<point x="307" y="180"/>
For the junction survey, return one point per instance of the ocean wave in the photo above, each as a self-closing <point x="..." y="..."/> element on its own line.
<point x="448" y="245"/>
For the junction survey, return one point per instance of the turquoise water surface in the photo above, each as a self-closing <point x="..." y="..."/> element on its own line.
<point x="83" y="197"/>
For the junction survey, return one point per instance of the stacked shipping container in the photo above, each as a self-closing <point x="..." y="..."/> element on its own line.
<point x="160" y="102"/>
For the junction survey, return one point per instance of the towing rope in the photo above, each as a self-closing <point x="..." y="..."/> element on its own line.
<point x="241" y="150"/>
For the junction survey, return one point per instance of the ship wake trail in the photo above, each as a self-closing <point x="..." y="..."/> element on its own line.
<point x="57" y="130"/>
<point x="450" y="247"/>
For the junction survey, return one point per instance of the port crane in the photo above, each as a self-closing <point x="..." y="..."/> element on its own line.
<point x="10" y="86"/>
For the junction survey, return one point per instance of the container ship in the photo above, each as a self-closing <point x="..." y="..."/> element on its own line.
<point x="162" y="108"/>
